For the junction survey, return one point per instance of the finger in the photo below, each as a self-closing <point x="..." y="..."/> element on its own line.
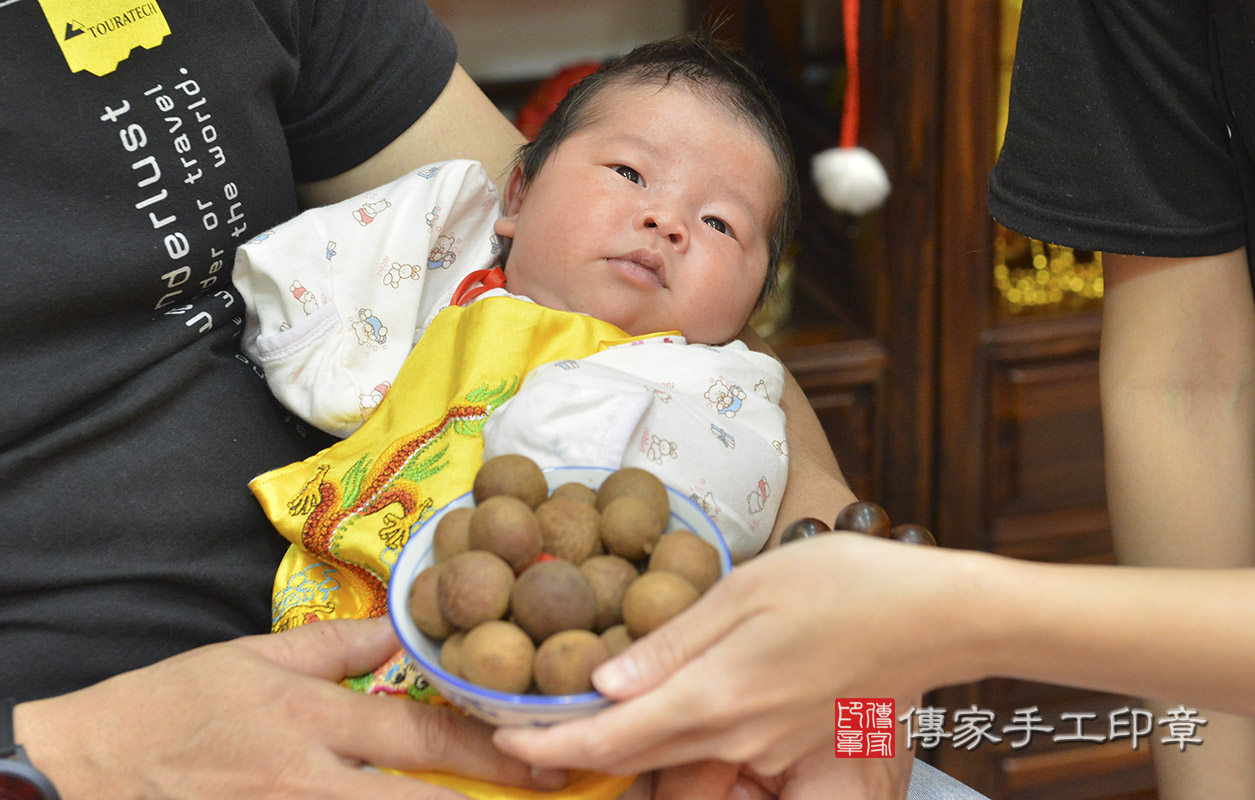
<point x="331" y="649"/>
<point x="606" y="738"/>
<point x="639" y="733"/>
<point x="632" y="730"/>
<point x="652" y="659"/>
<point x="400" y="733"/>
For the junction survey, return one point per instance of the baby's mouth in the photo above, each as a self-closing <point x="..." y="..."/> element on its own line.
<point x="642" y="266"/>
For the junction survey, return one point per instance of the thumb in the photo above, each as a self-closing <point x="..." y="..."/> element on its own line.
<point x="329" y="649"/>
<point x="654" y="657"/>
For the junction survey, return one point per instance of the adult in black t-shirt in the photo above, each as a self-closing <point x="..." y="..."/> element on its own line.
<point x="1130" y="132"/>
<point x="141" y="144"/>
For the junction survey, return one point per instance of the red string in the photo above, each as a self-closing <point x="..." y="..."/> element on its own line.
<point x="487" y="280"/>
<point x="849" y="113"/>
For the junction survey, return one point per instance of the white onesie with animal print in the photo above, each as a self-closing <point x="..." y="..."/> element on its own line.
<point x="337" y="296"/>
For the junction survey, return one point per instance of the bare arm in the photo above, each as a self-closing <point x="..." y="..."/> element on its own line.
<point x="1182" y="635"/>
<point x="1178" y="395"/>
<point x="759" y="660"/>
<point x="462" y="123"/>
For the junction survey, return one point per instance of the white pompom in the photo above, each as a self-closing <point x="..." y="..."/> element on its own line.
<point x="850" y="179"/>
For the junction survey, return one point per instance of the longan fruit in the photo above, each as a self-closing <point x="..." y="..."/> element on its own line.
<point x="510" y="474"/>
<point x="565" y="661"/>
<point x="450" y="536"/>
<point x="576" y="491"/>
<point x="616" y="638"/>
<point x="451" y="654"/>
<point x="498" y="655"/>
<point x="689" y="556"/>
<point x="654" y="598"/>
<point x="638" y="483"/>
<point x="552" y="596"/>
<point x="629" y="527"/>
<point x="508" y="527"/>
<point x="424" y="607"/>
<point x="474" y="587"/>
<point x="568" y="528"/>
<point x="609" y="576"/>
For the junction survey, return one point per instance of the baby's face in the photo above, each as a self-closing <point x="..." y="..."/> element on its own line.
<point x="654" y="216"/>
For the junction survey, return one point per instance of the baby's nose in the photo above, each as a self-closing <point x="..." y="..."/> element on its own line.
<point x="667" y="224"/>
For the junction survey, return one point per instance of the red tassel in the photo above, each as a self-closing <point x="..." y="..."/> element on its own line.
<point x="849" y="113"/>
<point x="849" y="178"/>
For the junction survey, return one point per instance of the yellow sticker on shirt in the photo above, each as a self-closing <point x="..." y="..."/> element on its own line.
<point x="97" y="35"/>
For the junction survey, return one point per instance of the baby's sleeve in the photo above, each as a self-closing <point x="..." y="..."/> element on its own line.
<point x="336" y="297"/>
<point x="705" y="420"/>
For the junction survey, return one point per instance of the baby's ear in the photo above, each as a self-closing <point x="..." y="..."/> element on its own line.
<point x="514" y="191"/>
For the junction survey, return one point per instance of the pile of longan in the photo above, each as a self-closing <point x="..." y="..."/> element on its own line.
<point x="531" y="591"/>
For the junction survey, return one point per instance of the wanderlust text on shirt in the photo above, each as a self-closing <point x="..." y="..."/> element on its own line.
<point x="183" y="151"/>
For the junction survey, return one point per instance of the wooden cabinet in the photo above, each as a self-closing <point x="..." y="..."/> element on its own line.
<point x="944" y="403"/>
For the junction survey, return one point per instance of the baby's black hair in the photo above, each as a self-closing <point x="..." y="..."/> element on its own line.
<point x="719" y="72"/>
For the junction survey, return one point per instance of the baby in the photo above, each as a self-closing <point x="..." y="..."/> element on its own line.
<point x="640" y="231"/>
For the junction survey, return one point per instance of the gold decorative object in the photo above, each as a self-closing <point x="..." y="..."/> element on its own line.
<point x="1031" y="274"/>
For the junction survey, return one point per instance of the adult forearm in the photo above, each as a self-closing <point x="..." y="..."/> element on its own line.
<point x="1180" y="635"/>
<point x="1177" y="368"/>
<point x="1178" y="395"/>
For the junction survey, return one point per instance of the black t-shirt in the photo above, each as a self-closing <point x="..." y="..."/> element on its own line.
<point x="1129" y="126"/>
<point x="129" y="422"/>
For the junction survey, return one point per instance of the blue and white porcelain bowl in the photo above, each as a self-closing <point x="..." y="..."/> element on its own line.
<point x="504" y="708"/>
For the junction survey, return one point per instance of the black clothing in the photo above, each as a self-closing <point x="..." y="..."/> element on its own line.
<point x="1130" y="127"/>
<point x="130" y="425"/>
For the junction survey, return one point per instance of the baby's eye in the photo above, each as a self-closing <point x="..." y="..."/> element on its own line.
<point x="630" y="174"/>
<point x="718" y="225"/>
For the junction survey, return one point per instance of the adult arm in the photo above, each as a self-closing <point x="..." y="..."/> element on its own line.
<point x="1177" y="379"/>
<point x="758" y="663"/>
<point x="260" y="716"/>
<point x="462" y="123"/>
<point x="1177" y="376"/>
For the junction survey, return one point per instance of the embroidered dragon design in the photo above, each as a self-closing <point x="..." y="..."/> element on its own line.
<point x="390" y="486"/>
